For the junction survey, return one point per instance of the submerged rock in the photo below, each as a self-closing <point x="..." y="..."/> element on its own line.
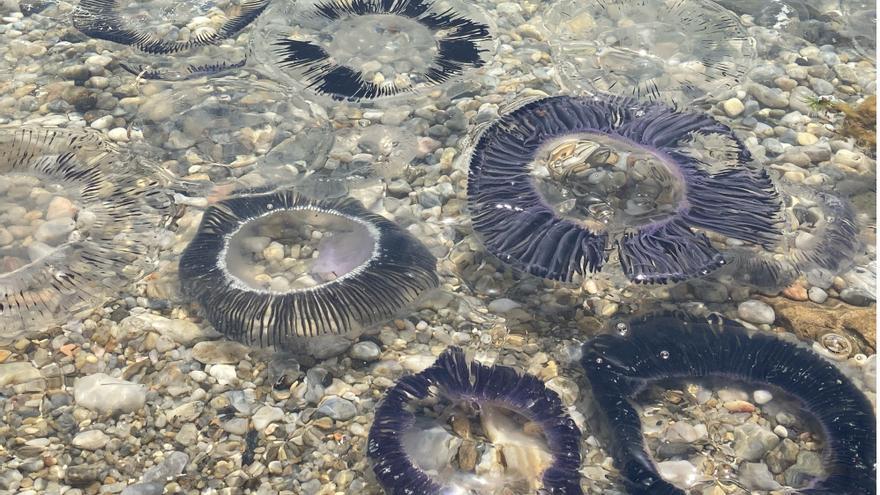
<point x="108" y="395"/>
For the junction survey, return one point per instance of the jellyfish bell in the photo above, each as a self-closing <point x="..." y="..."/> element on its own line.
<point x="276" y="267"/>
<point x="372" y="50"/>
<point x="463" y="427"/>
<point x="554" y="184"/>
<point x="76" y="225"/>
<point x="160" y="39"/>
<point x="657" y="50"/>
<point x="664" y="347"/>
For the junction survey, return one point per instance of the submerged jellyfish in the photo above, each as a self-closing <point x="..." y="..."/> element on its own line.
<point x="618" y="366"/>
<point x="168" y="39"/>
<point x="554" y="183"/>
<point x="547" y="463"/>
<point x="269" y="267"/>
<point x="78" y="220"/>
<point x="368" y="49"/>
<point x="655" y="49"/>
<point x="821" y="240"/>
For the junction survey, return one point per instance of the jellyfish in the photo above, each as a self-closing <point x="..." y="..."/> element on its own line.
<point x="270" y="267"/>
<point x="555" y="183"/>
<point x="493" y="391"/>
<point x="365" y="50"/>
<point x="618" y="365"/>
<point x="821" y="240"/>
<point x="672" y="51"/>
<point x="171" y="40"/>
<point x="79" y="221"/>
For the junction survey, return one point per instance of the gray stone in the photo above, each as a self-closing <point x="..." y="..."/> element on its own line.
<point x="18" y="373"/>
<point x="173" y="465"/>
<point x="857" y="296"/>
<point x="265" y="416"/>
<point x="365" y="351"/>
<point x="55" y="231"/>
<point x="769" y="97"/>
<point x="105" y="394"/>
<point x="188" y="434"/>
<point x="756" y="312"/>
<point x="220" y="352"/>
<point x="807" y="467"/>
<point x="10" y="479"/>
<point x="503" y="305"/>
<point x="90" y="440"/>
<point x="817" y="295"/>
<point x="153" y="488"/>
<point x="337" y="408"/>
<point x="751" y="442"/>
<point x="756" y="476"/>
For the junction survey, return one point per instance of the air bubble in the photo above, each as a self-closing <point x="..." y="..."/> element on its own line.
<point x="664" y="354"/>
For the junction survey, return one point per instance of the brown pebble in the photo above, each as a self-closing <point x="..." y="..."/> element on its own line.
<point x="739" y="406"/>
<point x="461" y="426"/>
<point x="796" y="292"/>
<point x="467" y="455"/>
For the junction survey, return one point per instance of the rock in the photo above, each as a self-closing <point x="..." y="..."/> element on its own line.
<point x="756" y="476"/>
<point x="751" y="442"/>
<point x="852" y="159"/>
<point x="769" y="97"/>
<point x="223" y="373"/>
<point x="681" y="432"/>
<point x="857" y="296"/>
<point x="680" y="473"/>
<point x="739" y="406"/>
<point x="220" y="352"/>
<point x="810" y="322"/>
<point x="153" y="488"/>
<point x="60" y="207"/>
<point x="188" y="434"/>
<point x="180" y="331"/>
<point x="431" y="448"/>
<point x="55" y="231"/>
<point x="807" y="468"/>
<point x="565" y="388"/>
<point x="10" y="480"/>
<point x="266" y="415"/>
<point x="322" y="346"/>
<point x="102" y="123"/>
<point x="81" y="98"/>
<point x="236" y="426"/>
<point x="781" y="431"/>
<point x="762" y="396"/>
<point x="733" y="107"/>
<point x="503" y="305"/>
<point x="18" y="373"/>
<point x="186" y="412"/>
<point x="756" y="312"/>
<point x="118" y="134"/>
<point x="90" y="440"/>
<point x="365" y="351"/>
<point x="817" y="295"/>
<point x="108" y="395"/>
<point x="796" y="292"/>
<point x="337" y="408"/>
<point x="806" y="139"/>
<point x="173" y="465"/>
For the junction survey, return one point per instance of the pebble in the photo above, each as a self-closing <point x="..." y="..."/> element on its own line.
<point x="680" y="473"/>
<point x="857" y="296"/>
<point x="18" y="373"/>
<point x="756" y="312"/>
<point x="90" y="440"/>
<point x="220" y="352"/>
<point x="806" y="139"/>
<point x="153" y="488"/>
<point x="102" y="123"/>
<point x="365" y="351"/>
<point x="751" y="442"/>
<point x="817" y="295"/>
<point x="173" y="465"/>
<point x="503" y="305"/>
<point x="54" y="231"/>
<point x="756" y="476"/>
<point x="733" y="107"/>
<point x="60" y="207"/>
<point x="224" y="373"/>
<point x="762" y="396"/>
<point x="103" y="393"/>
<point x="337" y="408"/>
<point x="266" y="415"/>
<point x="118" y="134"/>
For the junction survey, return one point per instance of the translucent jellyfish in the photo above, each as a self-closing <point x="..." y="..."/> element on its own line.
<point x="619" y="366"/>
<point x="224" y="132"/>
<point x="371" y="49"/>
<point x="554" y="184"/>
<point x="671" y="50"/>
<point x="533" y="447"/>
<point x="79" y="221"/>
<point x="270" y="267"/>
<point x="169" y="39"/>
<point x="820" y="240"/>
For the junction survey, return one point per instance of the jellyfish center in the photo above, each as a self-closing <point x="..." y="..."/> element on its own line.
<point x="606" y="184"/>
<point x="293" y="250"/>
<point x="383" y="48"/>
<point x="475" y="447"/>
<point x="170" y="20"/>
<point x="730" y="435"/>
<point x="38" y="216"/>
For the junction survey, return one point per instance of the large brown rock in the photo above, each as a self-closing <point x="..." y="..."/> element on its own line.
<point x="811" y="321"/>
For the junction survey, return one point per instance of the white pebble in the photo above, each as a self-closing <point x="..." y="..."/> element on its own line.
<point x="762" y="396"/>
<point x="118" y="134"/>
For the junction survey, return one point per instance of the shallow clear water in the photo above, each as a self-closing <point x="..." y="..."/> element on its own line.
<point x="236" y="238"/>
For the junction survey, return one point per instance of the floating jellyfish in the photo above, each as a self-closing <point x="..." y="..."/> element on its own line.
<point x="224" y="131"/>
<point x="821" y="240"/>
<point x="496" y="394"/>
<point x="674" y="51"/>
<point x="79" y="221"/>
<point x="666" y="347"/>
<point x="268" y="267"/>
<point x="554" y="183"/>
<point x="370" y="49"/>
<point x="171" y="40"/>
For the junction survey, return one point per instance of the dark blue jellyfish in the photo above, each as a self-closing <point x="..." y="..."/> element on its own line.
<point x="367" y="269"/>
<point x="620" y="173"/>
<point x="459" y="380"/>
<point x="619" y="365"/>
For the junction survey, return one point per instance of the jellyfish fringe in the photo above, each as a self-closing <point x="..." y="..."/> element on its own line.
<point x="192" y="71"/>
<point x="128" y="208"/>
<point x="660" y="347"/>
<point x="399" y="270"/>
<point x="457" y="48"/>
<point x="459" y="379"/>
<point x="101" y="19"/>
<point x="519" y="227"/>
